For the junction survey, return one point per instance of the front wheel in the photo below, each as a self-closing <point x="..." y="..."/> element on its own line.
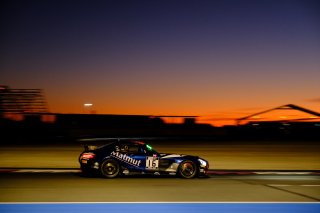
<point x="187" y="169"/>
<point x="110" y="168"/>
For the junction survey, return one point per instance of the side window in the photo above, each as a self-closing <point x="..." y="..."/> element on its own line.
<point x="129" y="148"/>
<point x="117" y="148"/>
<point x="142" y="149"/>
<point x="148" y="149"/>
<point x="133" y="149"/>
<point x="124" y="148"/>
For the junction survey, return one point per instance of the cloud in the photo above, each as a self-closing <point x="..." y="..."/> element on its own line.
<point x="314" y="100"/>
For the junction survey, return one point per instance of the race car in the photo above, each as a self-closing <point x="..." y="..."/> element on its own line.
<point x="128" y="157"/>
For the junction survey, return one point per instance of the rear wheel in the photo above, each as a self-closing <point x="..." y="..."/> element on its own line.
<point x="110" y="168"/>
<point x="187" y="169"/>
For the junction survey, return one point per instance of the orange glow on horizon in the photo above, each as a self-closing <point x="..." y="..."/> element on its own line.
<point x="222" y="115"/>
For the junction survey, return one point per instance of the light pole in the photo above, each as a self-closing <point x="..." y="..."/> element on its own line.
<point x="87" y="107"/>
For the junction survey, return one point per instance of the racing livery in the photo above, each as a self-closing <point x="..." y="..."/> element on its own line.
<point x="125" y="157"/>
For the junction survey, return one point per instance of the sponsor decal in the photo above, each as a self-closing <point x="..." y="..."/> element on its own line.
<point x="125" y="158"/>
<point x="152" y="162"/>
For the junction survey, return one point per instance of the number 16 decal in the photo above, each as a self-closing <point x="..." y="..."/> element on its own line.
<point x="152" y="163"/>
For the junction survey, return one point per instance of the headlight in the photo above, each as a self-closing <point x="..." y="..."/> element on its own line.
<point x="202" y="162"/>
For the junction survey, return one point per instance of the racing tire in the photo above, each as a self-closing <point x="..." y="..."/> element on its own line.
<point x="110" y="168"/>
<point x="187" y="169"/>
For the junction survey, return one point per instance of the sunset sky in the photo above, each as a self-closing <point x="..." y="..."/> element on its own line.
<point x="217" y="58"/>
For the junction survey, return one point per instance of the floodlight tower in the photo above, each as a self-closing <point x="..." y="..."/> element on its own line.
<point x="88" y="107"/>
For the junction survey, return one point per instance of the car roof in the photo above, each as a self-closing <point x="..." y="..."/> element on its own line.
<point x="120" y="142"/>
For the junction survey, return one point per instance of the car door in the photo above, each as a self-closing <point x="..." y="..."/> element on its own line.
<point x="132" y="157"/>
<point x="152" y="161"/>
<point x="145" y="161"/>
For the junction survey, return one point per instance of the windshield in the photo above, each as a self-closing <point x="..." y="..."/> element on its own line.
<point x="150" y="149"/>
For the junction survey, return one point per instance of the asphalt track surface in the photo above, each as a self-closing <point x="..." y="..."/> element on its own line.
<point x="72" y="187"/>
<point x="292" y="184"/>
<point x="232" y="155"/>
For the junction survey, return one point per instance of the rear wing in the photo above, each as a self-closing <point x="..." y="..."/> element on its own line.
<point x="91" y="144"/>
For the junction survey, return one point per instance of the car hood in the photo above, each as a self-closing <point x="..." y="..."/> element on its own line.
<point x="166" y="155"/>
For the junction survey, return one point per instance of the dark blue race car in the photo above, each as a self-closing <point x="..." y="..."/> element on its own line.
<point x="126" y="157"/>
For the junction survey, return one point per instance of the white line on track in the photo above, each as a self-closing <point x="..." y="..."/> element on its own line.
<point x="159" y="202"/>
<point x="285" y="185"/>
<point x="46" y="171"/>
<point x="283" y="173"/>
